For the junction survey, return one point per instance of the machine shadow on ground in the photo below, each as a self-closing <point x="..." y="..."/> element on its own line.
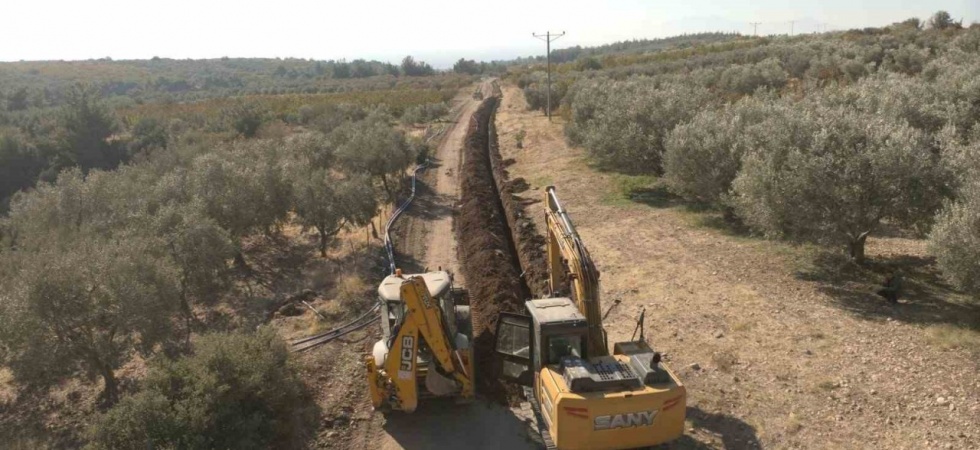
<point x="733" y="432"/>
<point x="440" y="424"/>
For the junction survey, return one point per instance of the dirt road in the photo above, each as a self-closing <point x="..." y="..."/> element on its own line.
<point x="432" y="242"/>
<point x="426" y="240"/>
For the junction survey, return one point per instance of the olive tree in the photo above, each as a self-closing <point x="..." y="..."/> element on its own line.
<point x="838" y="180"/>
<point x="941" y="20"/>
<point x="198" y="249"/>
<point x="87" y="127"/>
<point x="243" y="188"/>
<point x="86" y="308"/>
<point x="329" y="203"/>
<point x="746" y="79"/>
<point x="237" y="391"/>
<point x="372" y="146"/>
<point x="314" y="149"/>
<point x="702" y="157"/>
<point x="245" y="118"/>
<point x="955" y="239"/>
<point x="626" y="129"/>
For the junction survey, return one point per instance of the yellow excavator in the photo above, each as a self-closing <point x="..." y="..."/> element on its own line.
<point x="583" y="397"/>
<point x="425" y="348"/>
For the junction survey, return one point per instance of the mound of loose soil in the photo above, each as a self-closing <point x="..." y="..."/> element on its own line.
<point x="486" y="252"/>
<point x="530" y="244"/>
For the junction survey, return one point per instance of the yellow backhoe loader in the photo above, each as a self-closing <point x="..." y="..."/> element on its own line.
<point x="425" y="347"/>
<point x="584" y="397"/>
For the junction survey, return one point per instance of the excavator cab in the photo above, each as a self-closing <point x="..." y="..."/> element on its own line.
<point x="624" y="400"/>
<point x="555" y="331"/>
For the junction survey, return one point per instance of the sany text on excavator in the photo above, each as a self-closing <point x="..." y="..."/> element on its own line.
<point x="584" y="397"/>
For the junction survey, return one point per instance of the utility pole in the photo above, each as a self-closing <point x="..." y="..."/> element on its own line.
<point x="755" y="28"/>
<point x="792" y="23"/>
<point x="547" y="37"/>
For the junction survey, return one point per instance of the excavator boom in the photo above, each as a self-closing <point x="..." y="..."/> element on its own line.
<point x="571" y="271"/>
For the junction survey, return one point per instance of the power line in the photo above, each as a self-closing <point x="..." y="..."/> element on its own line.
<point x="755" y="28"/>
<point x="547" y="37"/>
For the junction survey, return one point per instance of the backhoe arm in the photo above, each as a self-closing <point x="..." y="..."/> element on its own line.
<point x="428" y="318"/>
<point x="396" y="383"/>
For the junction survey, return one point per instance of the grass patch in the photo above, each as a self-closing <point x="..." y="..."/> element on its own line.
<point x="542" y="181"/>
<point x="629" y="189"/>
<point x="793" y="424"/>
<point x="743" y="326"/>
<point x="828" y="385"/>
<point x="724" y="360"/>
<point x="352" y="296"/>
<point x="950" y="337"/>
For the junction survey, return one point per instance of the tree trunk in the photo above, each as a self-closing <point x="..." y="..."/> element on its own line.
<point x="323" y="243"/>
<point x="111" y="392"/>
<point x="856" y="248"/>
<point x="384" y="182"/>
<point x="185" y="307"/>
<point x="240" y="260"/>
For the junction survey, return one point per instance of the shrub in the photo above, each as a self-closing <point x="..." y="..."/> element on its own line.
<point x="236" y="391"/>
<point x="703" y="157"/>
<point x="245" y="118"/>
<point x="623" y="124"/>
<point x="746" y="79"/>
<point x="148" y="133"/>
<point x="425" y="113"/>
<point x="955" y="239"/>
<point x="907" y="59"/>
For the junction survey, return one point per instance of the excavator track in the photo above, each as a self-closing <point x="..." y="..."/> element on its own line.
<point x="540" y="424"/>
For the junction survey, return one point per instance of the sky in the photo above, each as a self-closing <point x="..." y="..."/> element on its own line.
<point x="435" y="31"/>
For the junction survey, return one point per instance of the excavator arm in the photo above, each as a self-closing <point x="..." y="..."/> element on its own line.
<point x="571" y="271"/>
<point x="395" y="384"/>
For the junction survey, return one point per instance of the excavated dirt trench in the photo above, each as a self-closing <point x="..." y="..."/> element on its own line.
<point x="491" y="255"/>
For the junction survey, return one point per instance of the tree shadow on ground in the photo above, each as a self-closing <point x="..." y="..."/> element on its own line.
<point x="657" y="195"/>
<point x="274" y="259"/>
<point x="407" y="263"/>
<point x="24" y="421"/>
<point x="926" y="298"/>
<point x="428" y="205"/>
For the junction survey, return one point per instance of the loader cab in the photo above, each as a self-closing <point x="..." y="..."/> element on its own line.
<point x="554" y="330"/>
<point x="393" y="308"/>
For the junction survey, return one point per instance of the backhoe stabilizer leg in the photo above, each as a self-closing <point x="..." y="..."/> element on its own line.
<point x="374" y="382"/>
